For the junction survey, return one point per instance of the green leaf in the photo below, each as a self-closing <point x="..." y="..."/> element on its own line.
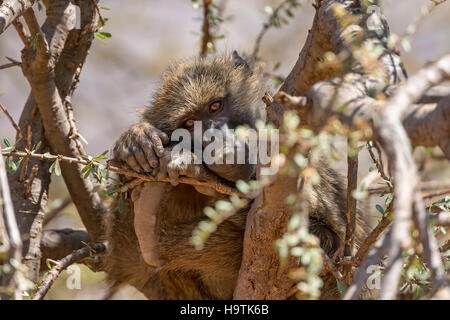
<point x="86" y="168"/>
<point x="7" y="143"/>
<point x="389" y="198"/>
<point x="47" y="262"/>
<point x="289" y="13"/>
<point x="55" y="168"/>
<point x="379" y="209"/>
<point x="340" y="288"/>
<point x="276" y="66"/>
<point x="111" y="191"/>
<point x="105" y="34"/>
<point x="37" y="146"/>
<point x="11" y="166"/>
<point x="101" y="156"/>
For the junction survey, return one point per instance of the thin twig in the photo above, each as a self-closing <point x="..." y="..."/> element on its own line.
<point x="380" y="247"/>
<point x="14" y="124"/>
<point x="22" y="32"/>
<point x="33" y="174"/>
<point x="9" y="65"/>
<point x="206" y="35"/>
<point x="102" y="21"/>
<point x="334" y="271"/>
<point x="62" y="264"/>
<point x="435" y="194"/>
<point x="266" y="27"/>
<point x="217" y="185"/>
<point x="23" y="171"/>
<point x="423" y="186"/>
<point x="372" y="237"/>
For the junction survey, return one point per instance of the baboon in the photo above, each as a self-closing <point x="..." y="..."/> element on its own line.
<point x="223" y="92"/>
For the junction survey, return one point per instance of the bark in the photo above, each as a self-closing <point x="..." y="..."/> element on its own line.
<point x="12" y="9"/>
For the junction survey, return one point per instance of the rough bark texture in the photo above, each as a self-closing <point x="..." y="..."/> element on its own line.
<point x="10" y="10"/>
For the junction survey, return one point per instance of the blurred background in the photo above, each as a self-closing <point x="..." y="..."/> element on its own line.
<point x="122" y="72"/>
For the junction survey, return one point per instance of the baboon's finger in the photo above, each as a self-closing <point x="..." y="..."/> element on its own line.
<point x="161" y="171"/>
<point x="164" y="137"/>
<point x="152" y="159"/>
<point x="131" y="161"/>
<point x="141" y="158"/>
<point x="157" y="144"/>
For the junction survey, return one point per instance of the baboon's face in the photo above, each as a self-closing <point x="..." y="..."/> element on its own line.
<point x="210" y="99"/>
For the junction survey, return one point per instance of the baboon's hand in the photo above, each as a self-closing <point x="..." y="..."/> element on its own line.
<point x="186" y="164"/>
<point x="141" y="147"/>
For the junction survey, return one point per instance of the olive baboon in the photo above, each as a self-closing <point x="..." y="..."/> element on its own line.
<point x="223" y="93"/>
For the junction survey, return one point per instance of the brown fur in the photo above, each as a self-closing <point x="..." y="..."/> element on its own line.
<point x="210" y="273"/>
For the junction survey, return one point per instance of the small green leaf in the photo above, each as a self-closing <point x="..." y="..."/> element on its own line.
<point x="276" y="66"/>
<point x="389" y="198"/>
<point x="6" y="142"/>
<point x="57" y="168"/>
<point x="37" y="146"/>
<point x="11" y="166"/>
<point x="53" y="167"/>
<point x="105" y="34"/>
<point x="86" y="168"/>
<point x="379" y="209"/>
<point x="340" y="288"/>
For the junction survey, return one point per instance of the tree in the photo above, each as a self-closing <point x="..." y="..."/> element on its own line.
<point x="348" y="80"/>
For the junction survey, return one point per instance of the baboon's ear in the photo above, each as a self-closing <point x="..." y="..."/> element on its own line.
<point x="239" y="61"/>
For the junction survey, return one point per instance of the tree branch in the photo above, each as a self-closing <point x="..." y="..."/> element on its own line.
<point x="12" y="9"/>
<point x="62" y="264"/>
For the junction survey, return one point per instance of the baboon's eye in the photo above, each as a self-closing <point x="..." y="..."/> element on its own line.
<point x="215" y="106"/>
<point x="189" y="123"/>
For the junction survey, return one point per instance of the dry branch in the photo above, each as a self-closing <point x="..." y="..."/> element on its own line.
<point x="214" y="182"/>
<point x="62" y="264"/>
<point x="206" y="35"/>
<point x="12" y="9"/>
